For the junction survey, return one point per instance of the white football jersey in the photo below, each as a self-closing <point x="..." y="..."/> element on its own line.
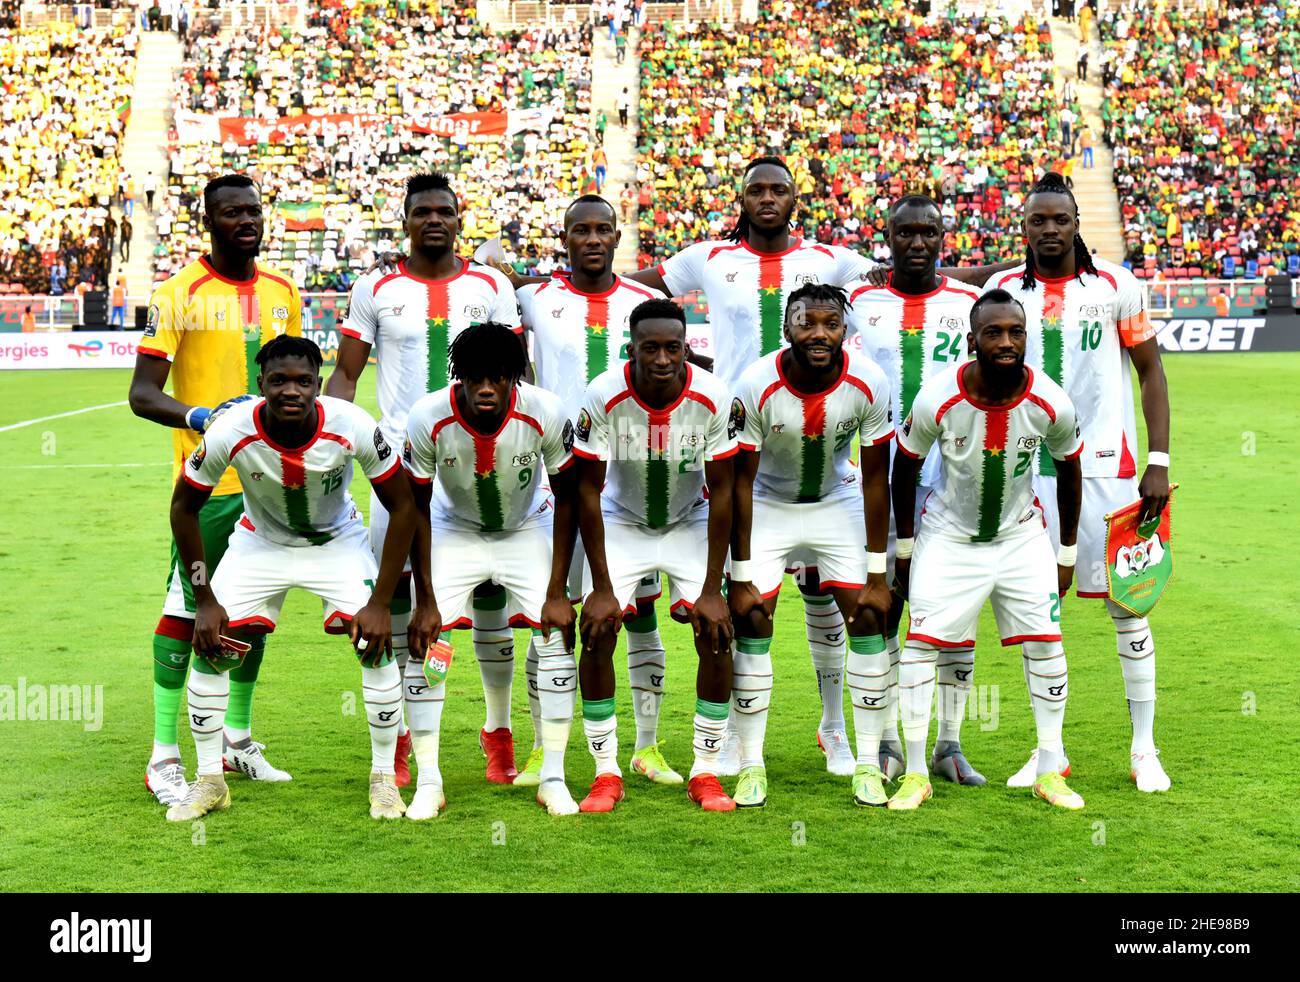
<point x="747" y="291"/>
<point x="805" y="439"/>
<point x="488" y="482"/>
<point x="294" y="496"/>
<point x="410" y="323"/>
<point x="985" y="484"/>
<point x="1080" y="330"/>
<point x="577" y="336"/>
<point x="912" y="338"/>
<point x="655" y="457"/>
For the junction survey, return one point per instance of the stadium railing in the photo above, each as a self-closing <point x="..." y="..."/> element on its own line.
<point x="51" y="313"/>
<point x="1196" y="298"/>
<point x="232" y="14"/>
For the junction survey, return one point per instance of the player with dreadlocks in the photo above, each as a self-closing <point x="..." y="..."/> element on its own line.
<point x="1087" y="323"/>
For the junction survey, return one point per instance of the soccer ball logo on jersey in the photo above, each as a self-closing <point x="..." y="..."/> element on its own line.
<point x="805" y="279"/>
<point x="736" y="422"/>
<point x="476" y="312"/>
<point x="1029" y="442"/>
<point x="1092" y="310"/>
<point x="583" y="427"/>
<point x="952" y="323"/>
<point x="201" y="451"/>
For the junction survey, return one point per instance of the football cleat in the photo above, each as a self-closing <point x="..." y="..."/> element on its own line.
<point x="553" y="795"/>
<point x="208" y="793"/>
<point x="166" y="781"/>
<point x="1053" y="790"/>
<point x="835" y="745"/>
<point x="1147" y="771"/>
<point x="869" y="786"/>
<point x="606" y="792"/>
<point x="892" y="764"/>
<point x="429" y="802"/>
<point x="650" y="762"/>
<point x="1027" y="775"/>
<point x="729" y="755"/>
<point x="706" y="792"/>
<point x="499" y="749"/>
<point x="951" y="765"/>
<point x="385" y="800"/>
<point x="251" y="762"/>
<point x="402" y="759"/>
<point x="531" y="775"/>
<point x="751" y="789"/>
<point x="912" y="790"/>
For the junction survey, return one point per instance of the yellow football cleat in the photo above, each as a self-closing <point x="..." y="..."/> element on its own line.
<point x="912" y="790"/>
<point x="869" y="786"/>
<point x="650" y="762"/>
<point x="207" y="794"/>
<point x="531" y="775"/>
<point x="751" y="789"/>
<point x="1053" y="790"/>
<point x="385" y="800"/>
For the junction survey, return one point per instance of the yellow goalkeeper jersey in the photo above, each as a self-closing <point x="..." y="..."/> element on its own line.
<point x="210" y="328"/>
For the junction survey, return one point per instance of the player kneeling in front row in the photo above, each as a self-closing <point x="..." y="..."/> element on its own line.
<point x="476" y="451"/>
<point x="293" y="451"/>
<point x="797" y="491"/>
<point x="983" y="536"/>
<point x="653" y="433"/>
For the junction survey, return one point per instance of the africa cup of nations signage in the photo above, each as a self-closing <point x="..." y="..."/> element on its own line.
<point x="69" y="349"/>
<point x="245" y="130"/>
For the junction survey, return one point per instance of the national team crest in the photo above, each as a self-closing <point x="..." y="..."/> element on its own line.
<point x="1139" y="558"/>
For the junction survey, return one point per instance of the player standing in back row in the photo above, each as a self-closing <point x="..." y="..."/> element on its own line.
<point x="578" y="324"/>
<point x="1087" y="324"/>
<point x="206" y="325"/>
<point x="409" y="318"/>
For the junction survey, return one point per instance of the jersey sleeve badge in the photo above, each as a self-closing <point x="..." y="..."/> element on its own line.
<point x="736" y="422"/>
<point x="151" y="324"/>
<point x="382" y="449"/>
<point x="567" y="436"/>
<point x="200" y="452"/>
<point x="583" y="428"/>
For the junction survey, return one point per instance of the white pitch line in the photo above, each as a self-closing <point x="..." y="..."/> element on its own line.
<point x="43" y="467"/>
<point x="74" y="412"/>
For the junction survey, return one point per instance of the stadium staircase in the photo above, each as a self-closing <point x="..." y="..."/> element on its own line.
<point x="145" y="149"/>
<point x="1094" y="188"/>
<point x="607" y="81"/>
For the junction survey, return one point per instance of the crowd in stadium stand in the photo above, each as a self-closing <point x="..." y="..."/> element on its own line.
<point x="865" y="101"/>
<point x="66" y="98"/>
<point x="404" y="60"/>
<point x="1202" y="114"/>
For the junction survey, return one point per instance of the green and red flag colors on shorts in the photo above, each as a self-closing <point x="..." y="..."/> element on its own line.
<point x="1053" y="353"/>
<point x="771" y="304"/>
<point x="438" y="322"/>
<point x="1139" y="557"/>
<point x="993" y="483"/>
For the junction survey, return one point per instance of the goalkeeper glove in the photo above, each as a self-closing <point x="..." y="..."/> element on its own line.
<point x="201" y="418"/>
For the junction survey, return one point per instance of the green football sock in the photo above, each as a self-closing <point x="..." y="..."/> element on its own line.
<point x="243" y="680"/>
<point x="171" y="658"/>
<point x="642" y="623"/>
<point x="598" y="710"/>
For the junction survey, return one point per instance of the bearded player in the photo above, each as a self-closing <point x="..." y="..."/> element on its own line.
<point x="798" y="411"/>
<point x="983" y="536"/>
<point x="578" y="325"/>
<point x="1088" y="324"/>
<point x="653" y="433"/>
<point x="206" y="325"/>
<point x="294" y="451"/>
<point x="479" y="451"/>
<point x="408" y="319"/>
<point x="914" y="327"/>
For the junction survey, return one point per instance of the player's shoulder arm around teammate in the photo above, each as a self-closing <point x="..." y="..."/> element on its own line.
<point x="157" y="349"/>
<point x="357" y="336"/>
<point x="977" y="275"/>
<point x="681" y="273"/>
<point x="853" y="269"/>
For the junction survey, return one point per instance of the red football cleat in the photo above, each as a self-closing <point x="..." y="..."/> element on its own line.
<point x="402" y="759"/>
<point x="706" y="792"/>
<point x="606" y="792"/>
<point x="499" y="748"/>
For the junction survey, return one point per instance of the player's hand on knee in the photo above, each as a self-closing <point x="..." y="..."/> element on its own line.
<point x="371" y="632"/>
<point x="744" y="600"/>
<point x="902" y="574"/>
<point x="425" y="626"/>
<point x="558" y="615"/>
<point x="210" y="622"/>
<point x="600" y="613"/>
<point x="873" y="598"/>
<point x="711" y="621"/>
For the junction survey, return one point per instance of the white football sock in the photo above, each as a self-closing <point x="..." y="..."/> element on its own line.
<point x="425" y="744"/>
<point x="602" y="741"/>
<point x="824" y="626"/>
<point x="895" y="651"/>
<point x="868" y="676"/>
<point x="1137" y="660"/>
<point x="208" y="697"/>
<point x="709" y="737"/>
<point x="751" y="695"/>
<point x="164" y="751"/>
<point x="494" y="647"/>
<point x="534" y="703"/>
<point x="382" y="691"/>
<point x="645" y="671"/>
<point x="916" y="674"/>
<point x="424" y="708"/>
<point x="1048" y="687"/>
<point x="401" y="653"/>
<point x="955" y="669"/>
<point x="557" y="686"/>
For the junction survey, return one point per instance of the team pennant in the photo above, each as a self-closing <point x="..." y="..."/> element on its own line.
<point x="1139" y="557"/>
<point x="437" y="663"/>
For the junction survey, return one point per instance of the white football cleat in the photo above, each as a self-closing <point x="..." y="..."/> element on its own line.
<point x="428" y="802"/>
<point x="166" y="781"/>
<point x="1147" y="771"/>
<point x="839" y="759"/>
<point x="729" y="755"/>
<point x="553" y="795"/>
<point x="250" y="761"/>
<point x="1027" y="775"/>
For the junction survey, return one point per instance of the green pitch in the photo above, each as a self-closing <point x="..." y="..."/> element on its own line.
<point x="84" y="561"/>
